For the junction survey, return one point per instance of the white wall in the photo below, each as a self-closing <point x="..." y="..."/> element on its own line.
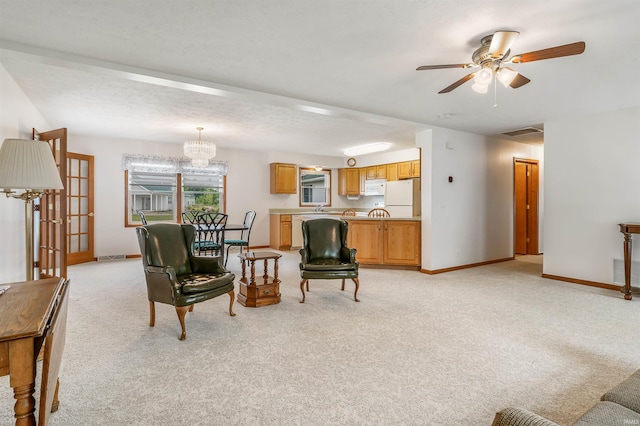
<point x="17" y="117"/>
<point x="593" y="183"/>
<point x="469" y="220"/>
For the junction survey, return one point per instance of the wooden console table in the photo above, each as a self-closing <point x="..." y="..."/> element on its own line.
<point x="33" y="313"/>
<point x="627" y="229"/>
<point x="253" y="294"/>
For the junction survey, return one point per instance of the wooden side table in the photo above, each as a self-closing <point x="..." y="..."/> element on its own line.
<point x="627" y="229"/>
<point x="253" y="294"/>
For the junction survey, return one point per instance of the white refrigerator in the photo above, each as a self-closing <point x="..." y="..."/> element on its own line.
<point x="402" y="198"/>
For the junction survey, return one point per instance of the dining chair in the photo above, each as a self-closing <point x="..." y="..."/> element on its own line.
<point x="210" y="229"/>
<point x="348" y="212"/>
<point x="143" y="218"/>
<point x="190" y="216"/>
<point x="249" y="217"/>
<point x="378" y="212"/>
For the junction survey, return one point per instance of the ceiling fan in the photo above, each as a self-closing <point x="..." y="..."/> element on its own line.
<point x="491" y="57"/>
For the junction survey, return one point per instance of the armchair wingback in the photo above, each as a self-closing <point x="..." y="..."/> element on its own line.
<point x="177" y="277"/>
<point x="325" y="255"/>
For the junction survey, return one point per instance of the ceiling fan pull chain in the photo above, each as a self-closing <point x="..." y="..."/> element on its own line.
<point x="495" y="91"/>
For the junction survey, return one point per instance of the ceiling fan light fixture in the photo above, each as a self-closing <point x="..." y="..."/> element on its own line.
<point x="479" y="88"/>
<point x="483" y="77"/>
<point x="506" y="76"/>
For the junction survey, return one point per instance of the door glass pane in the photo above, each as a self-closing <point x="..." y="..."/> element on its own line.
<point x="73" y="205"/>
<point x="74" y="170"/>
<point x="84" y="205"/>
<point x="73" y="246"/>
<point x="75" y="225"/>
<point x="84" y="242"/>
<point x="84" y="169"/>
<point x="84" y="187"/>
<point x="84" y="224"/>
<point x="73" y="190"/>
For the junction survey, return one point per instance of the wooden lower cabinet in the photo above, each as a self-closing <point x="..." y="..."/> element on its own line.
<point x="402" y="243"/>
<point x="386" y="242"/>
<point x="280" y="231"/>
<point x="366" y="237"/>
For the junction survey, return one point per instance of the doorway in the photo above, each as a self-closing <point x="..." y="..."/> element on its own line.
<point x="525" y="176"/>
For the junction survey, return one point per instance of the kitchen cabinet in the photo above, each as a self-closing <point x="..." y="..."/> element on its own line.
<point x="363" y="179"/>
<point x="409" y="169"/>
<point x="392" y="172"/>
<point x="377" y="172"/>
<point x="280" y="231"/>
<point x="386" y="242"/>
<point x="283" y="178"/>
<point x="348" y="181"/>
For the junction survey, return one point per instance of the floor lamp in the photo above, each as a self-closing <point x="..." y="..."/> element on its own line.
<point x="28" y="166"/>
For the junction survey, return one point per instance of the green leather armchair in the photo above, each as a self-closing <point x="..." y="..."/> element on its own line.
<point x="176" y="276"/>
<point x="325" y="255"/>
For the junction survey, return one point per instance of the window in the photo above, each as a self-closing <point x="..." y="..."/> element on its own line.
<point x="163" y="187"/>
<point x="202" y="193"/>
<point x="315" y="187"/>
<point x="154" y="194"/>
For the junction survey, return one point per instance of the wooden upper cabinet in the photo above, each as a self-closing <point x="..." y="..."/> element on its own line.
<point x="348" y="181"/>
<point x="363" y="179"/>
<point x="283" y="178"/>
<point x="377" y="172"/>
<point x="392" y="172"/>
<point x="409" y="169"/>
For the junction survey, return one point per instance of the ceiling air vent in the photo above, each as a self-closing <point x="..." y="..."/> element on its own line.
<point x="523" y="132"/>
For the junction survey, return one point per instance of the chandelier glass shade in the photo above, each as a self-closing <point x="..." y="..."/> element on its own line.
<point x="199" y="151"/>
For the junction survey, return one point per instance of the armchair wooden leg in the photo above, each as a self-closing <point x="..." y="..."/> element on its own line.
<point x="302" y="288"/>
<point x="232" y="295"/>
<point x="182" y="311"/>
<point x="152" y="313"/>
<point x="342" y="285"/>
<point x="355" y="294"/>
<point x="191" y="307"/>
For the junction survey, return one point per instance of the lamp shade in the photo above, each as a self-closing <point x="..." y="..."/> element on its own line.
<point x="28" y="164"/>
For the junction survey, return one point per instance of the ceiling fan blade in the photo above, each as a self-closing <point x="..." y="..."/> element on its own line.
<point x="552" y="52"/>
<point x="457" y="83"/>
<point x="438" y="67"/>
<point x="519" y="81"/>
<point x="501" y="43"/>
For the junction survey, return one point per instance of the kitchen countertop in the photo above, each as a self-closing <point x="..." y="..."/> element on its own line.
<point x="362" y="214"/>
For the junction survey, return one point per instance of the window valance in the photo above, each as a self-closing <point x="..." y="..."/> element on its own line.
<point x="170" y="165"/>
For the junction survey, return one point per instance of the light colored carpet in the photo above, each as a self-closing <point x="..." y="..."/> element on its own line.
<point x="448" y="349"/>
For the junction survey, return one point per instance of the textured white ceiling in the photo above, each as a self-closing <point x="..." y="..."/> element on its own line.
<point x="308" y="75"/>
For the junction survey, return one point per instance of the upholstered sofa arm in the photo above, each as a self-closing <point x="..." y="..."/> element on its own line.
<point x="207" y="265"/>
<point x="520" y="417"/>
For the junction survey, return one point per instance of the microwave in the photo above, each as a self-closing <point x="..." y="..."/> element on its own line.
<point x="375" y="187"/>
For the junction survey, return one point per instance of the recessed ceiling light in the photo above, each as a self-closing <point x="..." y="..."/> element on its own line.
<point x="445" y="115"/>
<point x="367" y="149"/>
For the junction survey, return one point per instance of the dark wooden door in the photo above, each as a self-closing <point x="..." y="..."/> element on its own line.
<point x="52" y="259"/>
<point x="525" y="206"/>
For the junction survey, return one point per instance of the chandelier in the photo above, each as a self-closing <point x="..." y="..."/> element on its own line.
<point x="199" y="151"/>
